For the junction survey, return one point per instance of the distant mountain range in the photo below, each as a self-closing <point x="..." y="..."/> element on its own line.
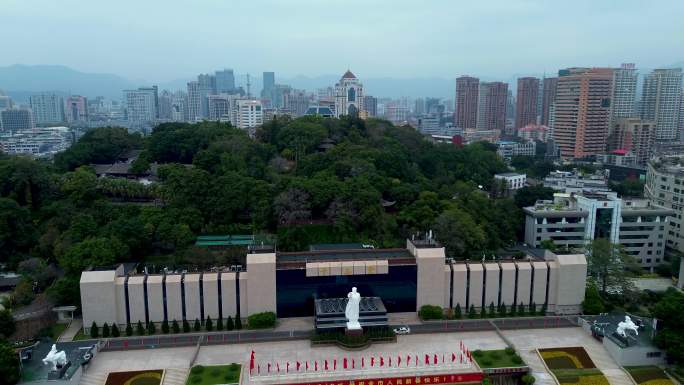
<point x="20" y="81"/>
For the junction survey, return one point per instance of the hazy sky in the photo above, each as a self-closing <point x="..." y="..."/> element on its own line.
<point x="161" y="40"/>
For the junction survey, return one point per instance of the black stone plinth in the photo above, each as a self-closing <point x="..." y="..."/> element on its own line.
<point x="353" y="332"/>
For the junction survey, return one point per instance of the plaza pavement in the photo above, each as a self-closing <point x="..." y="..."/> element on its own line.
<point x="525" y="341"/>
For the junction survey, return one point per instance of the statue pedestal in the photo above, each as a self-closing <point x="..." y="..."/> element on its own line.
<point x="353" y="332"/>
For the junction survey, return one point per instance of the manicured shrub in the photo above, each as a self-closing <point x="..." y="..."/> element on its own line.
<point x="175" y="327"/>
<point x="471" y="312"/>
<point x="215" y="372"/>
<point x="197" y="369"/>
<point x="140" y="330"/>
<point x="196" y="379"/>
<point x="151" y="328"/>
<point x="115" y="331"/>
<point x="233" y="367"/>
<point x="483" y="312"/>
<point x="219" y="324"/>
<point x="262" y="320"/>
<point x="129" y="330"/>
<point x="528" y="379"/>
<point x="94" y="330"/>
<point x="510" y="351"/>
<point x="186" y="326"/>
<point x="165" y="327"/>
<point x="503" y="310"/>
<point x="458" y="313"/>
<point x="478" y="353"/>
<point x="238" y="323"/>
<point x="105" y="330"/>
<point x="198" y="325"/>
<point x="431" y="312"/>
<point x="208" y="324"/>
<point x="517" y="360"/>
<point x="230" y="325"/>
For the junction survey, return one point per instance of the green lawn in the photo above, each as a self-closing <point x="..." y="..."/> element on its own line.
<point x="53" y="331"/>
<point x="497" y="359"/>
<point x="211" y="375"/>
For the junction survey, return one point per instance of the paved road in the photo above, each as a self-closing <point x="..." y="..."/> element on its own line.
<point x="214" y="338"/>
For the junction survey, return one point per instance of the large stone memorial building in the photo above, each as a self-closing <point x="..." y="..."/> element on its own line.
<point x="288" y="283"/>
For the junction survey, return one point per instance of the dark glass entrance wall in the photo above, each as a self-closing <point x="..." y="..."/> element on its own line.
<point x="604" y="223"/>
<point x="296" y="292"/>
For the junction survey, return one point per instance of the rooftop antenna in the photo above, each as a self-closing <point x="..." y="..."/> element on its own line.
<point x="249" y="90"/>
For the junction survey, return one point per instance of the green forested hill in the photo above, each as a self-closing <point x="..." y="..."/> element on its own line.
<point x="308" y="180"/>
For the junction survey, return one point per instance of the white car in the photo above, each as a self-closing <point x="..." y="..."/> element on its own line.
<point x="402" y="330"/>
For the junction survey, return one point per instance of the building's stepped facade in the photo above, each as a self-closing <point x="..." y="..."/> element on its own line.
<point x="175" y="376"/>
<point x="603" y="361"/>
<point x="93" y="379"/>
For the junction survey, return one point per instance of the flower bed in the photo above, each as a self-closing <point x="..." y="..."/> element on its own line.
<point x="566" y="358"/>
<point x="648" y="375"/>
<point x="140" y="377"/>
<point x="572" y="366"/>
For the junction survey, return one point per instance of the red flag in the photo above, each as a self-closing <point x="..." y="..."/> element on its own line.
<point x="442" y="357"/>
<point x="298" y="365"/>
<point x="306" y="365"/>
<point x="372" y="361"/>
<point x="278" y="366"/>
<point x="287" y="367"/>
<point x="382" y="361"/>
<point x="269" y="367"/>
<point x="398" y="360"/>
<point x="435" y="360"/>
<point x="353" y="363"/>
<point x="416" y="359"/>
<point x="427" y="359"/>
<point x="344" y="363"/>
<point x="363" y="364"/>
<point x="453" y="357"/>
<point x="315" y="366"/>
<point x="390" y="361"/>
<point x="326" y="364"/>
<point x="251" y="362"/>
<point x="334" y="363"/>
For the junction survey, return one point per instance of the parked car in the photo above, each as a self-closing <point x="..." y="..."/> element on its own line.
<point x="402" y="330"/>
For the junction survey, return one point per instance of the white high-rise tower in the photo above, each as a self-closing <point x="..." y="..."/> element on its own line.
<point x="348" y="95"/>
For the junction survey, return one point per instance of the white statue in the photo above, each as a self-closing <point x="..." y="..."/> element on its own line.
<point x="351" y="312"/>
<point x="56" y="358"/>
<point x="627" y="324"/>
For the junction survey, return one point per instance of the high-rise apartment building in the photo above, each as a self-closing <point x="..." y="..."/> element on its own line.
<point x="370" y="105"/>
<point x="348" y="95"/>
<point x="548" y="97"/>
<point x="221" y="107"/>
<point x="141" y="104"/>
<point x="268" y="85"/>
<point x="634" y="135"/>
<point x="76" y="108"/>
<point x="526" y="102"/>
<point x="5" y="102"/>
<point x="665" y="187"/>
<point x="225" y="81"/>
<point x="47" y="108"/>
<point x="660" y="102"/>
<point x="249" y="114"/>
<point x="179" y="107"/>
<point x="194" y="102"/>
<point x="582" y="111"/>
<point x="623" y="98"/>
<point x="491" y="112"/>
<point x="467" y="95"/>
<point x="15" y="119"/>
<point x="297" y="102"/>
<point x="419" y="107"/>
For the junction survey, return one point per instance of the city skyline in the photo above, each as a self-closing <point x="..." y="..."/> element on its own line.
<point x="442" y="39"/>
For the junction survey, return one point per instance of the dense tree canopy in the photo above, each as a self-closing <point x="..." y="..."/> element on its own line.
<point x="307" y="180"/>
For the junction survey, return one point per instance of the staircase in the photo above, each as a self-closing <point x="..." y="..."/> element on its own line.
<point x="610" y="369"/>
<point x="537" y="367"/>
<point x="93" y="379"/>
<point x="175" y="376"/>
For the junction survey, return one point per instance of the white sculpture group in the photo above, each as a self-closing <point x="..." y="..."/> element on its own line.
<point x="56" y="358"/>
<point x="627" y="324"/>
<point x="351" y="312"/>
